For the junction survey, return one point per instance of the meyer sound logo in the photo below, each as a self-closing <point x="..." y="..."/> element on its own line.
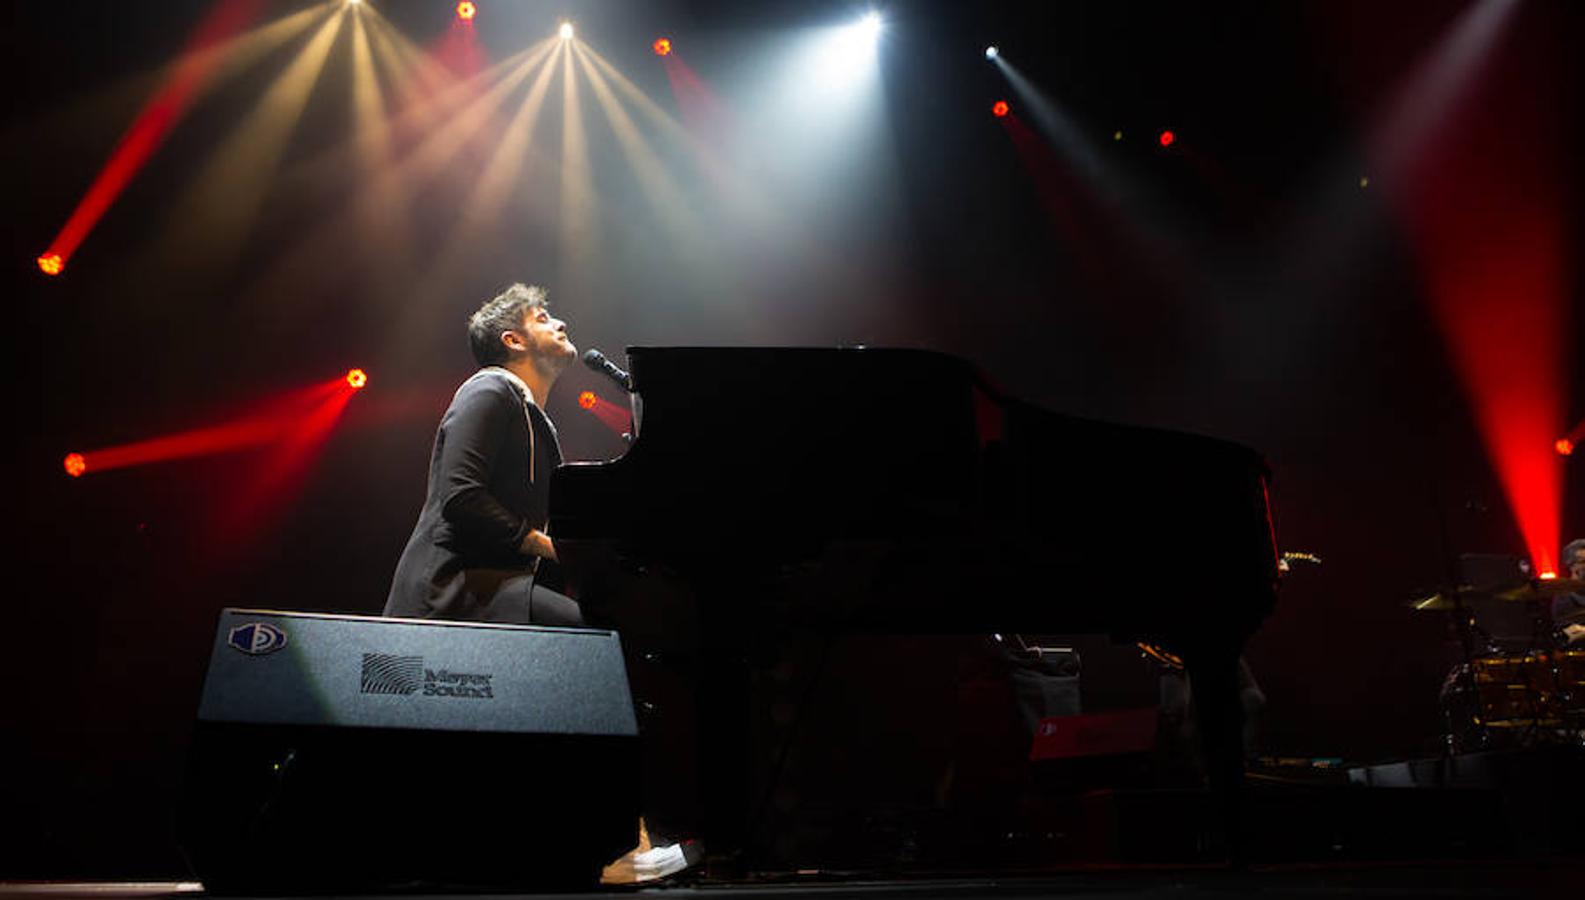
<point x="256" y="638"/>
<point x="386" y="673"/>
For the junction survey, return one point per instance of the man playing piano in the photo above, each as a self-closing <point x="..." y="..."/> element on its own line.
<point x="480" y="536"/>
<point x="481" y="533"/>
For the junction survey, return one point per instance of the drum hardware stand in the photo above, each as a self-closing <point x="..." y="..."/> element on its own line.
<point x="1465" y="622"/>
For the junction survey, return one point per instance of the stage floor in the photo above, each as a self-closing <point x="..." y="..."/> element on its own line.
<point x="1422" y="880"/>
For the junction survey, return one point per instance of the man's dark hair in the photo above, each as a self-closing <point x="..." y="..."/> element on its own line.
<point x="503" y="313"/>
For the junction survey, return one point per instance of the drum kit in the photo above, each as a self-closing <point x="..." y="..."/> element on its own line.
<point x="1499" y="698"/>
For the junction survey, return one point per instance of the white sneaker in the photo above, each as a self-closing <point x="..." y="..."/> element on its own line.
<point x="661" y="862"/>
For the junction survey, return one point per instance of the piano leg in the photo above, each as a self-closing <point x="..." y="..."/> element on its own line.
<point x="1213" y="675"/>
<point x="725" y="724"/>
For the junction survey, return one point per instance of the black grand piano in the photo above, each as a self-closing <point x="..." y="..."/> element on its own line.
<point x="899" y="491"/>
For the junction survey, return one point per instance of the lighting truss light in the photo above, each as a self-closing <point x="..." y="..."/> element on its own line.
<point x="991" y="52"/>
<point x="662" y="47"/>
<point x="566" y="31"/>
<point x="1000" y="109"/>
<point x="1167" y="138"/>
<point x="1564" y="447"/>
<point x="51" y="264"/>
<point x="466" y="11"/>
<point x="588" y="400"/>
<point x="76" y="465"/>
<point x="357" y="378"/>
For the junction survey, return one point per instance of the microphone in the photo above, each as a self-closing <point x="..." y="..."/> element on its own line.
<point x="596" y="360"/>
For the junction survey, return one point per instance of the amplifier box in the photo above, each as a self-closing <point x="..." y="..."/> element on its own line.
<point x="353" y="753"/>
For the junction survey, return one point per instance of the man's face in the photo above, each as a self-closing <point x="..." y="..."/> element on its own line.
<point x="545" y="337"/>
<point x="1576" y="565"/>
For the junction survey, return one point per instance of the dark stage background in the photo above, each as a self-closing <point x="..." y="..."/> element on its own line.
<point x="1240" y="284"/>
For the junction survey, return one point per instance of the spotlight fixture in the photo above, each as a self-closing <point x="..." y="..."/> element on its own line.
<point x="466" y="11"/>
<point x="51" y="264"/>
<point x="662" y="47"/>
<point x="1000" y="109"/>
<point x="566" y="31"/>
<point x="357" y="378"/>
<point x="870" y="26"/>
<point x="991" y="52"/>
<point x="588" y="400"/>
<point x="76" y="465"/>
<point x="1167" y="137"/>
<point x="1564" y="447"/>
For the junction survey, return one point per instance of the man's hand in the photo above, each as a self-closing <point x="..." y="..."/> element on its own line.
<point x="1574" y="632"/>
<point x="537" y="543"/>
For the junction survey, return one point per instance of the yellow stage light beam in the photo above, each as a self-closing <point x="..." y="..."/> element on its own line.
<point x="368" y="102"/>
<point x="424" y="91"/>
<point x="242" y="52"/>
<point x="165" y="96"/>
<point x="437" y="139"/>
<point x="641" y="100"/>
<point x="496" y="184"/>
<point x="408" y="129"/>
<point x="324" y="248"/>
<point x="224" y="198"/>
<point x="381" y="216"/>
<point x="578" y="224"/>
<point x="657" y="185"/>
<point x="748" y="204"/>
<point x="416" y="76"/>
<point x="481" y="211"/>
<point x="221" y="62"/>
<point x="715" y="276"/>
<point x="446" y="139"/>
<point x="435" y="154"/>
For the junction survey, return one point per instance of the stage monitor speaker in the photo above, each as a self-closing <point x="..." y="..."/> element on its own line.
<point x="343" y="753"/>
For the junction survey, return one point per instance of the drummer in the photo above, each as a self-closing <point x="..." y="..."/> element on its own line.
<point x="1568" y="610"/>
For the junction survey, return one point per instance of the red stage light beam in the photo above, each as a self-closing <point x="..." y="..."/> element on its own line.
<point x="459" y="50"/>
<point x="1565" y="445"/>
<point x="1467" y="152"/>
<point x="610" y="414"/>
<point x="276" y="420"/>
<point x="1062" y="198"/>
<point x="269" y="485"/>
<point x="700" y="107"/>
<point x="148" y="130"/>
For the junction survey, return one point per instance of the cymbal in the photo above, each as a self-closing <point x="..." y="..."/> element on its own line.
<point x="1442" y="600"/>
<point x="1539" y="589"/>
